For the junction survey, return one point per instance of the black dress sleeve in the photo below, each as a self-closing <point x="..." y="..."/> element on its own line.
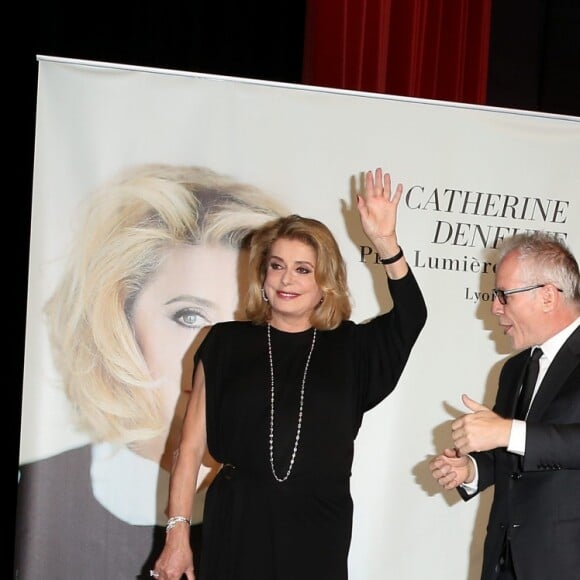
<point x="384" y="343"/>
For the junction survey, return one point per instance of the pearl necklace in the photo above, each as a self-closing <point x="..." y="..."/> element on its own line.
<point x="299" y="426"/>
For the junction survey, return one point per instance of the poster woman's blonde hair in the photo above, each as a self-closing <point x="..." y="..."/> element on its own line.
<point x="131" y="224"/>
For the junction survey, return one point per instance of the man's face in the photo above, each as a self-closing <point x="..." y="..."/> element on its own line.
<point x="521" y="316"/>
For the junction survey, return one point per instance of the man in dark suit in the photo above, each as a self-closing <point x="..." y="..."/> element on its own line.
<point x="533" y="460"/>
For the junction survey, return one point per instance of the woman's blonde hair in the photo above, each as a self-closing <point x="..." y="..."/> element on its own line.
<point x="330" y="271"/>
<point x="131" y="224"/>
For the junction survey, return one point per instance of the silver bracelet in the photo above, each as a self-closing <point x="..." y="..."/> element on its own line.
<point x="173" y="521"/>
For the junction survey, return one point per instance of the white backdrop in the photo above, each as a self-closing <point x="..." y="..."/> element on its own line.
<point x="308" y="147"/>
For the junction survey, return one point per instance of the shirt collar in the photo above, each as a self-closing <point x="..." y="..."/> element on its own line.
<point x="551" y="347"/>
<point x="132" y="488"/>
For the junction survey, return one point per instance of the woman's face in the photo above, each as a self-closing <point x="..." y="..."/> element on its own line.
<point x="195" y="286"/>
<point x="290" y="284"/>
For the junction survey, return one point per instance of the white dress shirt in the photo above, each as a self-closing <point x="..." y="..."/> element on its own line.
<point x="517" y="440"/>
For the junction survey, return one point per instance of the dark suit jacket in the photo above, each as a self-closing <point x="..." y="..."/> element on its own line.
<point x="536" y="500"/>
<point x="64" y="533"/>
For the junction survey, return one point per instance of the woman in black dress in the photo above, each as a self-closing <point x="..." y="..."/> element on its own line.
<point x="278" y="401"/>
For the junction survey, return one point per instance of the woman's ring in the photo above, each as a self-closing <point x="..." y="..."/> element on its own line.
<point x="153" y="573"/>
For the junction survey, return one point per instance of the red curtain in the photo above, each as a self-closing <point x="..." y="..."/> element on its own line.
<point x="434" y="49"/>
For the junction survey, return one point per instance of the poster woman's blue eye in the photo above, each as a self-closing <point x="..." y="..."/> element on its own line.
<point x="190" y="318"/>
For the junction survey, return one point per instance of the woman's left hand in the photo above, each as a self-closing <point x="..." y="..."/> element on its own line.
<point x="378" y="210"/>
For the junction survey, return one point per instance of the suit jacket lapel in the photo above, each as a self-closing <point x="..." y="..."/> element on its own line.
<point x="567" y="359"/>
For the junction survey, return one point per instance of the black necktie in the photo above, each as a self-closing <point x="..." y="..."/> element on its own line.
<point x="530" y="378"/>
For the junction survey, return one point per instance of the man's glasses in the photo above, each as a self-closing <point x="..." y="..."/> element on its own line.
<point x="502" y="295"/>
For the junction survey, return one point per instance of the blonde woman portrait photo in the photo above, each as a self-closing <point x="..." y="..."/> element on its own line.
<point x="161" y="254"/>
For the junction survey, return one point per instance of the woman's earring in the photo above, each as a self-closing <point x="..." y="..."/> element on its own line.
<point x="264" y="297"/>
<point x="321" y="300"/>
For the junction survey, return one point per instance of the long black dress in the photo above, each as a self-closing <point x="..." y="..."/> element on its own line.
<point x="255" y="527"/>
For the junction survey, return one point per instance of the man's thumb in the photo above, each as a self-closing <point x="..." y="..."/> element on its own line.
<point x="471" y="404"/>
